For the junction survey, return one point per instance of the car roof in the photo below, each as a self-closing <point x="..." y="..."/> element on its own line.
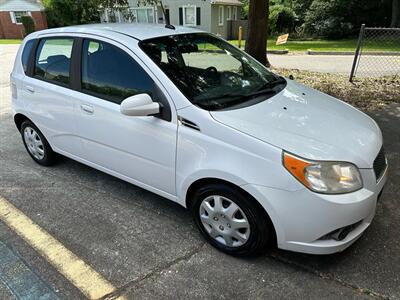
<point x="138" y="31"/>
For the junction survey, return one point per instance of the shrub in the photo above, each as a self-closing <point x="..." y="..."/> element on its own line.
<point x="71" y="12"/>
<point x="29" y="24"/>
<point x="282" y="19"/>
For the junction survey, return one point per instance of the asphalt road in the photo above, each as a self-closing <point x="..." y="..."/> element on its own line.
<point x="369" y="65"/>
<point x="149" y="248"/>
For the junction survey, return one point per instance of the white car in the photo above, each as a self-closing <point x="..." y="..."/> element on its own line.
<point x="257" y="158"/>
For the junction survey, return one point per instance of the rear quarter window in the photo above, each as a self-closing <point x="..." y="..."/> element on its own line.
<point x="26" y="54"/>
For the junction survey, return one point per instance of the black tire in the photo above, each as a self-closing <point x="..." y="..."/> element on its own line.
<point x="49" y="156"/>
<point x="261" y="229"/>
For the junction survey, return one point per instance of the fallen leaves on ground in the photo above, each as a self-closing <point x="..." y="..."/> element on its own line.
<point x="364" y="93"/>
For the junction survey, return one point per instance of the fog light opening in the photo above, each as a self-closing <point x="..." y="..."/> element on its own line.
<point x="341" y="233"/>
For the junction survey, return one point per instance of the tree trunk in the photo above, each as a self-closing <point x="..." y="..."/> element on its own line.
<point x="395" y="14"/>
<point x="256" y="43"/>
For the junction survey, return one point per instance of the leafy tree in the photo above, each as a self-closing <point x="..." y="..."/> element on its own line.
<point x="257" y="32"/>
<point x="327" y="19"/>
<point x="72" y="12"/>
<point x="341" y="18"/>
<point x="245" y="9"/>
<point x="29" y="24"/>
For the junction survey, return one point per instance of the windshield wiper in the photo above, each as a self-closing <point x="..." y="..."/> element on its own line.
<point x="263" y="91"/>
<point x="230" y="100"/>
<point x="219" y="97"/>
<point x="271" y="84"/>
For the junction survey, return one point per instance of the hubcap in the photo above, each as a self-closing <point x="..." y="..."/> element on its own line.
<point x="224" y="221"/>
<point x="34" y="143"/>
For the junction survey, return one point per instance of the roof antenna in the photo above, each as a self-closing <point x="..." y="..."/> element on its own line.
<point x="167" y="23"/>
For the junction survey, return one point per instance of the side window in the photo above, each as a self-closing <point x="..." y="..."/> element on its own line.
<point x="52" y="61"/>
<point x="110" y="73"/>
<point x="26" y="54"/>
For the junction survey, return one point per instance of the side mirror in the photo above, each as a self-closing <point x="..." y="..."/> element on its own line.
<point x="139" y="105"/>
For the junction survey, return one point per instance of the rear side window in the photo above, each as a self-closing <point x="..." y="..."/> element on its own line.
<point x="26" y="54"/>
<point x="53" y="57"/>
<point x="110" y="73"/>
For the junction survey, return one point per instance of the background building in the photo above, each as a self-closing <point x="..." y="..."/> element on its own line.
<point x="10" y="17"/>
<point x="220" y="17"/>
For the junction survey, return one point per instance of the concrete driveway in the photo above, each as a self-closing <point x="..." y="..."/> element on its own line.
<point x="146" y="247"/>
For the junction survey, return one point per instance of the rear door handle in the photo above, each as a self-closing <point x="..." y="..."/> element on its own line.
<point x="87" y="108"/>
<point x="30" y="89"/>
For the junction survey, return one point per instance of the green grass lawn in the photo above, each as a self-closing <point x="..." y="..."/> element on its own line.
<point x="5" y="41"/>
<point x="325" y="45"/>
<point x="316" y="45"/>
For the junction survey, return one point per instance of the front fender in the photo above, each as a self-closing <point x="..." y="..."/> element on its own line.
<point x="185" y="184"/>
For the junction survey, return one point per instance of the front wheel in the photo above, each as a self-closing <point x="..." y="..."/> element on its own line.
<point x="231" y="220"/>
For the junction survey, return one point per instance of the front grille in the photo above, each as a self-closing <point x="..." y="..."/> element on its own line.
<point x="380" y="164"/>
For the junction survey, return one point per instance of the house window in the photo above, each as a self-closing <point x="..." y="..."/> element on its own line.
<point x="234" y="16"/>
<point x="114" y="16"/>
<point x="143" y="15"/>
<point x="189" y="16"/>
<point x="220" y="15"/>
<point x="229" y="16"/>
<point x="16" y="16"/>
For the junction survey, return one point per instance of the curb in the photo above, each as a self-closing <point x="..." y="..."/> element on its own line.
<point x="375" y="53"/>
<point x="268" y="51"/>
<point x="277" y="52"/>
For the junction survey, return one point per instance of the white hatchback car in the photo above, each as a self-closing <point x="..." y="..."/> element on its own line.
<point x="184" y="114"/>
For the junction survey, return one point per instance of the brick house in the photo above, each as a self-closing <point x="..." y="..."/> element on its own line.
<point x="10" y="17"/>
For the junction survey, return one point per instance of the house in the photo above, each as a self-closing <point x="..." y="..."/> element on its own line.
<point x="10" y="17"/>
<point x="216" y="16"/>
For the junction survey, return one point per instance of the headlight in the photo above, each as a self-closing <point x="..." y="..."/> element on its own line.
<point x="324" y="176"/>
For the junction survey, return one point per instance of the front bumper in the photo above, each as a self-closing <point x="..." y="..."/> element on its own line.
<point x="304" y="219"/>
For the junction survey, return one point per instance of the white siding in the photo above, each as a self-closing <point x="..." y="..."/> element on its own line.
<point x="173" y="6"/>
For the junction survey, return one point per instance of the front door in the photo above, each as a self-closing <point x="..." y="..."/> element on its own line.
<point x="137" y="148"/>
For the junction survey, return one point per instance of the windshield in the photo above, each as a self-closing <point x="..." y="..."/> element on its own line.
<point x="210" y="72"/>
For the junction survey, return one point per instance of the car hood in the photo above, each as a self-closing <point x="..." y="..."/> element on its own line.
<point x="310" y="124"/>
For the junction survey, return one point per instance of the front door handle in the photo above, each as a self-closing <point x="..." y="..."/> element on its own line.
<point x="30" y="89"/>
<point x="87" y="108"/>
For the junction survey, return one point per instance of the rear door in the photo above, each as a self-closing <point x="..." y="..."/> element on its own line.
<point x="47" y="93"/>
<point x="140" y="149"/>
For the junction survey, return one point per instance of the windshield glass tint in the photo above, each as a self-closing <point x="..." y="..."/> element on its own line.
<point x="210" y="72"/>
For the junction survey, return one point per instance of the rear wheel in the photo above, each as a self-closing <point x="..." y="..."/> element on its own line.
<point x="231" y="220"/>
<point x="36" y="144"/>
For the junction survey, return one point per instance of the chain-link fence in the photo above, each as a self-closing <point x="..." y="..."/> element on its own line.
<point x="377" y="53"/>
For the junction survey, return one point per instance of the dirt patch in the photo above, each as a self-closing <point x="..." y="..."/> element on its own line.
<point x="365" y="93"/>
